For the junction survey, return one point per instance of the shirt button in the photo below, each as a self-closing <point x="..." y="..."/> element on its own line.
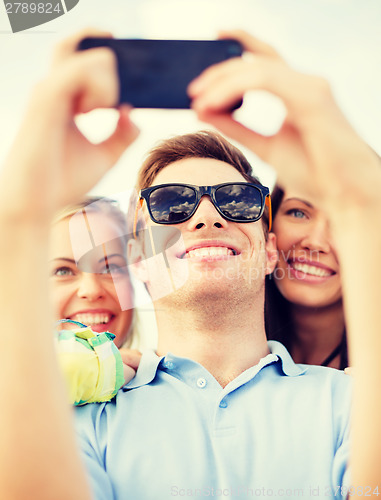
<point x="223" y="404"/>
<point x="201" y="383"/>
<point x="170" y="365"/>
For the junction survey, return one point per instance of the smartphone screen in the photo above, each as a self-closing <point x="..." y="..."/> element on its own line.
<point x="156" y="73"/>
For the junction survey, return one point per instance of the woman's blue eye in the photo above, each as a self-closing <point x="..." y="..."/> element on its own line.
<point x="297" y="213"/>
<point x="63" y="271"/>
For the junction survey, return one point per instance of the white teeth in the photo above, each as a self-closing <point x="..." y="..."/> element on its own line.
<point x="92" y="319"/>
<point x="208" y="252"/>
<point x="315" y="271"/>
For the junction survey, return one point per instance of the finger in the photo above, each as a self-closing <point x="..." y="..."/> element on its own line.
<point x="66" y="47"/>
<point x="250" y="43"/>
<point x="226" y="73"/>
<point x="218" y="71"/>
<point x="125" y="133"/>
<point x="128" y="373"/>
<point x="89" y="79"/>
<point x="223" y="84"/>
<point x="131" y="357"/>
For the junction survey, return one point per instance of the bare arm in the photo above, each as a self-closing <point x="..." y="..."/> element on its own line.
<point x="50" y="165"/>
<point x="317" y="150"/>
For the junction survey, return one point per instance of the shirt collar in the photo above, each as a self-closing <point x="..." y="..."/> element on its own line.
<point x="289" y="368"/>
<point x="150" y="362"/>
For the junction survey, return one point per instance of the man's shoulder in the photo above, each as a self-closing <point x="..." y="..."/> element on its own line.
<point x="320" y="379"/>
<point x="325" y="376"/>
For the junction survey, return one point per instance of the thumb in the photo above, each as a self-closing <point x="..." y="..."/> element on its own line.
<point x="349" y="370"/>
<point x="130" y="357"/>
<point x="128" y="373"/>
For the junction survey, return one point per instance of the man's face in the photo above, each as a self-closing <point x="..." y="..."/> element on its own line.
<point x="220" y="257"/>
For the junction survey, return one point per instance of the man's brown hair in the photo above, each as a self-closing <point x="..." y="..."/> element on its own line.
<point x="204" y="144"/>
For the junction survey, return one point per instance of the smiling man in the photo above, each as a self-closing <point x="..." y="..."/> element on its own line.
<point x="221" y="396"/>
<point x="225" y="250"/>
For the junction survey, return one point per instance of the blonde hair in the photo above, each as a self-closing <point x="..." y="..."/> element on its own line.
<point x="105" y="206"/>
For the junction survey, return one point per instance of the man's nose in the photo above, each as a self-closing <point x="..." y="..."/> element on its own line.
<point x="206" y="216"/>
<point x="90" y="286"/>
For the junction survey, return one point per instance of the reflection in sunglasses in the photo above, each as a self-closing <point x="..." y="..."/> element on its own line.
<point x="175" y="203"/>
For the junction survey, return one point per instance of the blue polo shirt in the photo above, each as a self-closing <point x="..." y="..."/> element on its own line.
<point x="278" y="429"/>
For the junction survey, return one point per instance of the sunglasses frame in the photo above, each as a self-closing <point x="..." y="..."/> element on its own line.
<point x="201" y="191"/>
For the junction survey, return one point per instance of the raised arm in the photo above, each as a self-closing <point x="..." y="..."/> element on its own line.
<point x="50" y="165"/>
<point x="317" y="149"/>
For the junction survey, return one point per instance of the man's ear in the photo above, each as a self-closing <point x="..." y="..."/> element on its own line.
<point x="271" y="253"/>
<point x="137" y="260"/>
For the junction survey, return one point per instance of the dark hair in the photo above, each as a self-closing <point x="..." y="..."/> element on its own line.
<point x="278" y="321"/>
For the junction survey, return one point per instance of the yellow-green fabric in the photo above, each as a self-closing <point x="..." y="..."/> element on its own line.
<point x="91" y="364"/>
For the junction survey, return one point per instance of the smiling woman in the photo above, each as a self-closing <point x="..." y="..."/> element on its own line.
<point x="89" y="276"/>
<point x="304" y="308"/>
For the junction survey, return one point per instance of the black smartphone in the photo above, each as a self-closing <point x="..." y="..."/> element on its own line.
<point x="156" y="73"/>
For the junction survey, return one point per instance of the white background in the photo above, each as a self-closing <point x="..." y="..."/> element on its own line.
<point x="339" y="39"/>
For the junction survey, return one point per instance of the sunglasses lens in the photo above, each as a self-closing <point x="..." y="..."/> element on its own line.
<point x="239" y="202"/>
<point x="172" y="204"/>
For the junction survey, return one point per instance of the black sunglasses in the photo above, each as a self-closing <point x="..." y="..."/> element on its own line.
<point x="236" y="202"/>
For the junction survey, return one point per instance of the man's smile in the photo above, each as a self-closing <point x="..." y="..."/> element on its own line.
<point x="210" y="250"/>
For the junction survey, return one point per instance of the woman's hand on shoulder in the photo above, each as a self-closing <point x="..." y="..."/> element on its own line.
<point x="131" y="359"/>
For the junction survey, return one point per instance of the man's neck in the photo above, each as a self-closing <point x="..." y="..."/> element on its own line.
<point x="223" y="340"/>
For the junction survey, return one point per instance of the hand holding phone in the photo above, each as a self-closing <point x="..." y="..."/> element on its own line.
<point x="156" y="73"/>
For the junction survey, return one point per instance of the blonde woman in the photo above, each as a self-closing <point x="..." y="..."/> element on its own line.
<point x="90" y="286"/>
<point x="89" y="276"/>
